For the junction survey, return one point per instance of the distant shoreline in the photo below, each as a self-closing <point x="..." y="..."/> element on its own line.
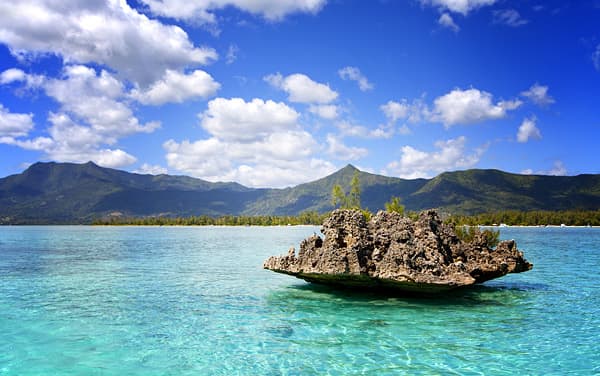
<point x="539" y="226"/>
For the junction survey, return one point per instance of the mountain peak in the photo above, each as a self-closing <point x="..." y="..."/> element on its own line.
<point x="350" y="167"/>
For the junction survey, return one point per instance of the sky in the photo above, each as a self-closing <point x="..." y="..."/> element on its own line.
<point x="274" y="93"/>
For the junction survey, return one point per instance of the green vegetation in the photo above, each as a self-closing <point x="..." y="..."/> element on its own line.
<point x="305" y="218"/>
<point x="394" y="206"/>
<point x="350" y="200"/>
<point x="469" y="233"/>
<point x="531" y="218"/>
<point x="338" y="197"/>
<point x="354" y="194"/>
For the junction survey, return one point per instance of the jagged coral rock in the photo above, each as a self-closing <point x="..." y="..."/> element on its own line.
<point x="392" y="251"/>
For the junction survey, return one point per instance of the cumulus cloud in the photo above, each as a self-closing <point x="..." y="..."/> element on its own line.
<point x="96" y="99"/>
<point x="538" y="94"/>
<point x="12" y="75"/>
<point x="558" y="169"/>
<point x="18" y="76"/>
<point x="509" y="17"/>
<point x="447" y="21"/>
<point x="148" y="169"/>
<point x="469" y="106"/>
<point x="177" y="87"/>
<point x="354" y="74"/>
<point x="93" y="114"/>
<point x="14" y="125"/>
<point x="458" y="6"/>
<point x="326" y="111"/>
<point x="528" y="131"/>
<point x="450" y="155"/>
<point x="278" y="160"/>
<point x="413" y="112"/>
<point x="302" y="89"/>
<point x="103" y="32"/>
<point x="456" y="107"/>
<point x="337" y="149"/>
<point x="204" y="11"/>
<point x="237" y="120"/>
<point x="353" y="130"/>
<point x="258" y="143"/>
<point x="71" y="142"/>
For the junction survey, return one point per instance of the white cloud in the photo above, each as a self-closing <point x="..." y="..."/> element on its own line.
<point x="237" y="120"/>
<point x="302" y="89"/>
<point x="232" y="52"/>
<point x="558" y="169"/>
<point x="203" y="10"/>
<point x="413" y="112"/>
<point x="93" y="114"/>
<point x="257" y="143"/>
<point x="509" y="17"/>
<point x="458" y="6"/>
<point x="96" y="99"/>
<point x="148" y="169"/>
<point x="447" y="21"/>
<point x="538" y="94"/>
<point x="177" y="87"/>
<point x="468" y="107"/>
<point x="277" y="160"/>
<point x="326" y="111"/>
<point x="354" y="74"/>
<point x="528" y="131"/>
<point x="339" y="150"/>
<point x="15" y="75"/>
<point x="104" y="32"/>
<point x="14" y="125"/>
<point x="451" y="155"/>
<point x="12" y="75"/>
<point x="353" y="130"/>
<point x="596" y="58"/>
<point x="71" y="142"/>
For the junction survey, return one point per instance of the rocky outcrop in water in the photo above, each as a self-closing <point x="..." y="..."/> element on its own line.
<point x="392" y="251"/>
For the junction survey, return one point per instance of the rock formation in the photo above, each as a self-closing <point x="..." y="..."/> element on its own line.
<point x="393" y="252"/>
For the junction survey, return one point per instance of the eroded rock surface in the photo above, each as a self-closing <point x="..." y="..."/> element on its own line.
<point x="392" y="251"/>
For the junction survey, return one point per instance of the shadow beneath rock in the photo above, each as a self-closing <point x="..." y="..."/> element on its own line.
<point x="500" y="294"/>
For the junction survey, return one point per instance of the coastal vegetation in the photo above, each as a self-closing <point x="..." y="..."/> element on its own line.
<point x="304" y="218"/>
<point x="511" y="218"/>
<point x="531" y="218"/>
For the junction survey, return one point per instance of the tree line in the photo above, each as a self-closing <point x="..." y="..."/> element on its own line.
<point x="305" y="218"/>
<point x="531" y="218"/>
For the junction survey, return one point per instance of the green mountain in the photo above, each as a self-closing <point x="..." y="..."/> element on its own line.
<point x="78" y="193"/>
<point x="376" y="190"/>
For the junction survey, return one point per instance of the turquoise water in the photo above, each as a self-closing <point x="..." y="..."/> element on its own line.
<point x="195" y="301"/>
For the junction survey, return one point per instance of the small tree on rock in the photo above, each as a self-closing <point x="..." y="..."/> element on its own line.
<point x="350" y="200"/>
<point x="353" y="197"/>
<point x="394" y="206"/>
<point x="338" y="197"/>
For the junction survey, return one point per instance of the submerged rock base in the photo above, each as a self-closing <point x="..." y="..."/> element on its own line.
<point x="393" y="252"/>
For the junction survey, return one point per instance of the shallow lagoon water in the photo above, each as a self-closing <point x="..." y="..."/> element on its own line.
<point x="195" y="301"/>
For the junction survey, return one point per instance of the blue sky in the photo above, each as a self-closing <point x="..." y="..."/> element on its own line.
<point x="273" y="93"/>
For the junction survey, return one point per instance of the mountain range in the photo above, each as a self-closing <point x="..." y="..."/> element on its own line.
<point x="57" y="193"/>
